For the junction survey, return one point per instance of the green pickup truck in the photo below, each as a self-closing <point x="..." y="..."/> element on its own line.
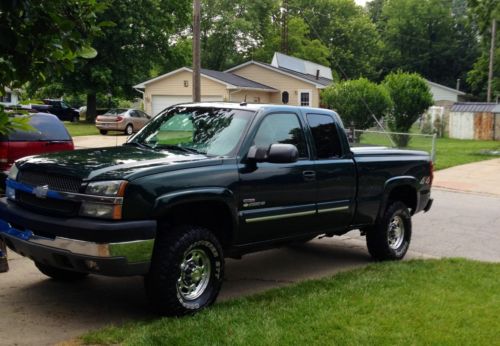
<point x="202" y="182"/>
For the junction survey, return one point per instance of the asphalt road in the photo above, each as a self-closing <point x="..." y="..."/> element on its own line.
<point x="37" y="310"/>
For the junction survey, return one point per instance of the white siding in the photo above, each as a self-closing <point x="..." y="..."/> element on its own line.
<point x="441" y="94"/>
<point x="462" y="125"/>
<point x="160" y="102"/>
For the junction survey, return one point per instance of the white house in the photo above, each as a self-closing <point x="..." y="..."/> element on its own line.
<point x="10" y="97"/>
<point x="441" y="93"/>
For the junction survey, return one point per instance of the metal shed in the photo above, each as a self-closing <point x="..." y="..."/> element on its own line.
<point x="475" y="120"/>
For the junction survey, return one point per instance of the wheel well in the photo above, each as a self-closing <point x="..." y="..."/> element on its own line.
<point x="213" y="215"/>
<point x="405" y="194"/>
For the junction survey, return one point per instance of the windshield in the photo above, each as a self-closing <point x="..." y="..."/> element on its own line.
<point x="115" y="111"/>
<point x="210" y="131"/>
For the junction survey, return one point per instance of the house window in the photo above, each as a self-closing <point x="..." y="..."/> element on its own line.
<point x="7" y="97"/>
<point x="305" y="98"/>
<point x="285" y="97"/>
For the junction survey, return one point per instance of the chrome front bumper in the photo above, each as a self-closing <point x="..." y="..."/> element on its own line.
<point x="114" y="259"/>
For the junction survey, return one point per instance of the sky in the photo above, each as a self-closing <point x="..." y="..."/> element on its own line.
<point x="361" y="2"/>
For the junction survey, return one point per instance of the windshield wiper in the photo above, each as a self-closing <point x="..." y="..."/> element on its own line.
<point x="137" y="144"/>
<point x="176" y="147"/>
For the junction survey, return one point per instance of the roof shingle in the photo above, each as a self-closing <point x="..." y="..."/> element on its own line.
<point x="235" y="80"/>
<point x="476" y="107"/>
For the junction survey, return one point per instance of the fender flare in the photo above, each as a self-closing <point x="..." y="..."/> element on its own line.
<point x="393" y="183"/>
<point x="218" y="194"/>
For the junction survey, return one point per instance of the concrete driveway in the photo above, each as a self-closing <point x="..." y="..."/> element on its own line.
<point x="98" y="141"/>
<point x="37" y="310"/>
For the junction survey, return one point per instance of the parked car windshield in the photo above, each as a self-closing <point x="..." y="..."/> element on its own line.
<point x="115" y="111"/>
<point x="46" y="128"/>
<point x="210" y="131"/>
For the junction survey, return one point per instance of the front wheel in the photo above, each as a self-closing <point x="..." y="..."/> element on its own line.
<point x="390" y="238"/>
<point x="60" y="274"/>
<point x="186" y="271"/>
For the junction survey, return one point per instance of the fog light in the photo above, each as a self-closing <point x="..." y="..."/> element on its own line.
<point x="92" y="265"/>
<point x="10" y="193"/>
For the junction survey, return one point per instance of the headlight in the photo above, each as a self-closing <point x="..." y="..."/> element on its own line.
<point x="109" y="207"/>
<point x="103" y="211"/>
<point x="107" y="188"/>
<point x="13" y="172"/>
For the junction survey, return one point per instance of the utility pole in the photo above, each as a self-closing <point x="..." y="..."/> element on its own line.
<point x="492" y="56"/>
<point x="196" y="51"/>
<point x="284" y="28"/>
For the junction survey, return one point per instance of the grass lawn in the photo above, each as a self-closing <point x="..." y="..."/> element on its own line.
<point x="452" y="152"/>
<point x="81" y="129"/>
<point x="432" y="302"/>
<point x="449" y="151"/>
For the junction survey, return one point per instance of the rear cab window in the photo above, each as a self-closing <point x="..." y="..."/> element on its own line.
<point x="325" y="135"/>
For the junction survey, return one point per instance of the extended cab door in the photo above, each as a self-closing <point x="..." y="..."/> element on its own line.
<point x="277" y="200"/>
<point x="335" y="173"/>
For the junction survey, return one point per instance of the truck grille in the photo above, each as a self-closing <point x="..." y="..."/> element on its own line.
<point x="55" y="182"/>
<point x="47" y="205"/>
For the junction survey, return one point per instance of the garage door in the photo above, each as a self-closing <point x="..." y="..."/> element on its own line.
<point x="160" y="102"/>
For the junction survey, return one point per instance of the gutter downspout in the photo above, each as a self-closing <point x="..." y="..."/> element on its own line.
<point x="232" y="92"/>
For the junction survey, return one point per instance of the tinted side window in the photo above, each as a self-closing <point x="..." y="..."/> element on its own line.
<point x="325" y="136"/>
<point x="281" y="128"/>
<point x="47" y="128"/>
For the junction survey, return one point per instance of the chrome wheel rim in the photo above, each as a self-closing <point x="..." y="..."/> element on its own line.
<point x="396" y="232"/>
<point x="195" y="274"/>
<point x="129" y="130"/>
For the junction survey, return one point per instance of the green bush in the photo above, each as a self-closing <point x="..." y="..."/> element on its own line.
<point x="357" y="101"/>
<point x="411" y="97"/>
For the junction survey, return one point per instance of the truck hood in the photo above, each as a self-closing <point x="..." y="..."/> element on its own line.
<point x="125" y="162"/>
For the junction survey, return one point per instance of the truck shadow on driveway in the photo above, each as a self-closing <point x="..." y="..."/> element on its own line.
<point x="47" y="311"/>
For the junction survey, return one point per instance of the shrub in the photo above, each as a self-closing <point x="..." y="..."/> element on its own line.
<point x="411" y="97"/>
<point x="357" y="101"/>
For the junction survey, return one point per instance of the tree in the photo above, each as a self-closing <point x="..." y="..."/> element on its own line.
<point x="411" y="96"/>
<point x="232" y="29"/>
<point x="482" y="14"/>
<point x="358" y="102"/>
<point x="299" y="43"/>
<point x="430" y="37"/>
<point x="138" y="36"/>
<point x="43" y="38"/>
<point x="374" y="9"/>
<point x="345" y="28"/>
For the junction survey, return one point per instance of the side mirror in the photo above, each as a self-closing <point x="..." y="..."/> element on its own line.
<point x="276" y="153"/>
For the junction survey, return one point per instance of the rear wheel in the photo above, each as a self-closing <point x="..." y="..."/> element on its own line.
<point x="129" y="130"/>
<point x="186" y="271"/>
<point x="390" y="238"/>
<point x="103" y="132"/>
<point x="75" y="118"/>
<point x="60" y="274"/>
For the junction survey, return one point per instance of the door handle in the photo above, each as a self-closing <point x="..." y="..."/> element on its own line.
<point x="309" y="175"/>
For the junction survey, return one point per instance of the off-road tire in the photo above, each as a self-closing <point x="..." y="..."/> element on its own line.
<point x="165" y="275"/>
<point x="129" y="130"/>
<point x="60" y="274"/>
<point x="378" y="237"/>
<point x="103" y="132"/>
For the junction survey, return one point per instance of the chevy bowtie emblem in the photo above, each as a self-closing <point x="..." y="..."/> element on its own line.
<point x="41" y="191"/>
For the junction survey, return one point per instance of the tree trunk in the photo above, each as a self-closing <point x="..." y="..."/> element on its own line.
<point x="91" y="108"/>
